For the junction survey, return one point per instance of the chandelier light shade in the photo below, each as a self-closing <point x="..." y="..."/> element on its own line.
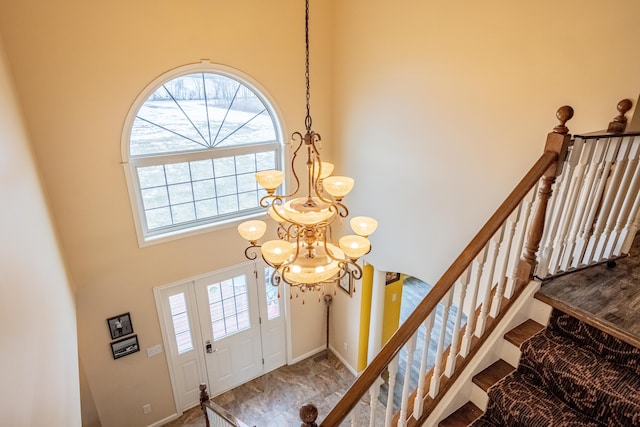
<point x="303" y="255"/>
<point x="363" y="225"/>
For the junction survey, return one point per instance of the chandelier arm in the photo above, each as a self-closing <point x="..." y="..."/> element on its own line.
<point x="339" y="208"/>
<point x="357" y="272"/>
<point x="296" y="136"/>
<point x="275" y="278"/>
<point x="282" y="232"/>
<point x="326" y="248"/>
<point x="342" y="209"/>
<point x="283" y="276"/>
<point x="250" y="252"/>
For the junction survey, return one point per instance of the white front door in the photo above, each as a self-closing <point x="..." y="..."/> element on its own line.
<point x="242" y="338"/>
<point x="224" y="328"/>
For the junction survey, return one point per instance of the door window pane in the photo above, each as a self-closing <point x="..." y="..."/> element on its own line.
<point x="229" y="307"/>
<point x="273" y="303"/>
<point x="181" y="327"/>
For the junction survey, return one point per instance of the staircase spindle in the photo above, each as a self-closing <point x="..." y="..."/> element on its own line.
<point x="393" y="371"/>
<point x="565" y="235"/>
<point x="419" y="400"/>
<point x="437" y="369"/>
<point x="355" y="417"/>
<point x="600" y="173"/>
<point x="631" y="199"/>
<point x="455" y="339"/>
<point x="470" y="305"/>
<point x="578" y="223"/>
<point x="621" y="179"/>
<point x="510" y="227"/>
<point x="374" y="393"/>
<point x="494" y="247"/>
<point x="610" y="182"/>
<point x="411" y="348"/>
<point x="630" y="231"/>
<point x="621" y="204"/>
<point x="526" y="206"/>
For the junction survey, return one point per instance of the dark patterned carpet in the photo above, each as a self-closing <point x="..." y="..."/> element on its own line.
<point x="570" y="374"/>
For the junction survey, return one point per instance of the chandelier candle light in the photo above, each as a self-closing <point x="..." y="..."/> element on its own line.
<point x="302" y="256"/>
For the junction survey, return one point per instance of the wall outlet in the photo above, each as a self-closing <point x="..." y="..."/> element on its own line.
<point x="146" y="408"/>
<point x="345" y="345"/>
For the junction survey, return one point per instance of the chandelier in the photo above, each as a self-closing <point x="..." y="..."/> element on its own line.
<point x="303" y="255"/>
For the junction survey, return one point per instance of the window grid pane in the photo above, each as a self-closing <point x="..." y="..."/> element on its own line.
<point x="229" y="307"/>
<point x="182" y="193"/>
<point x="180" y="318"/>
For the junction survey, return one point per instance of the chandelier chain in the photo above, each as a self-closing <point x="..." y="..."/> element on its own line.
<point x="307" y="120"/>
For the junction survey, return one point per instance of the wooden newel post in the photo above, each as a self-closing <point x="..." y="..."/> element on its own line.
<point x="557" y="142"/>
<point x="204" y="397"/>
<point x="308" y="415"/>
<point x="619" y="123"/>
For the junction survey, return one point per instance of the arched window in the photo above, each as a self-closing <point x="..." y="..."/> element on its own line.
<point x="192" y="143"/>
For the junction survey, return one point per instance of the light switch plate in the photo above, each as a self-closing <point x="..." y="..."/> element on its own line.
<point x="152" y="351"/>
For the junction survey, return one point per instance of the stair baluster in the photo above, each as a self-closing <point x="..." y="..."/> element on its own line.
<point x="422" y="378"/>
<point x="626" y="199"/>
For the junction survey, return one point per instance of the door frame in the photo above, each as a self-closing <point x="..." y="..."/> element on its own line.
<point x="196" y="327"/>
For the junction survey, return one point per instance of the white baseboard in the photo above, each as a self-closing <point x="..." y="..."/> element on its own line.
<point x="306" y="355"/>
<point x="164" y="420"/>
<point x="344" y="362"/>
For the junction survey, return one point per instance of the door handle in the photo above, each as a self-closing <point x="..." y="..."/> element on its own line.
<point x="209" y="347"/>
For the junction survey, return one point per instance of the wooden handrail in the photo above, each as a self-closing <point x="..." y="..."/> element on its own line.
<point x="549" y="165"/>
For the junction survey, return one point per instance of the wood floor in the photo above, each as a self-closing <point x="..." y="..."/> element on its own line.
<point x="274" y="399"/>
<point x="608" y="298"/>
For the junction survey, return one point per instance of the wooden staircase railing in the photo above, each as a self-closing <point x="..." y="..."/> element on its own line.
<point x="479" y="284"/>
<point x="594" y="212"/>
<point x="489" y="274"/>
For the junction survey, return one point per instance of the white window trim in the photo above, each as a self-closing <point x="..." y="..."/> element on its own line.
<point x="129" y="163"/>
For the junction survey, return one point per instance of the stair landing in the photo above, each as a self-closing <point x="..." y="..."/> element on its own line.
<point x="603" y="297"/>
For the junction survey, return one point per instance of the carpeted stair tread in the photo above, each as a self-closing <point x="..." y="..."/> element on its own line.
<point x="605" y="391"/>
<point x="607" y="346"/>
<point x="515" y="402"/>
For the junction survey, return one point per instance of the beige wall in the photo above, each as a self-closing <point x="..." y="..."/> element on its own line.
<point x="450" y="100"/>
<point x="79" y="65"/>
<point x="441" y="107"/>
<point x="39" y="356"/>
